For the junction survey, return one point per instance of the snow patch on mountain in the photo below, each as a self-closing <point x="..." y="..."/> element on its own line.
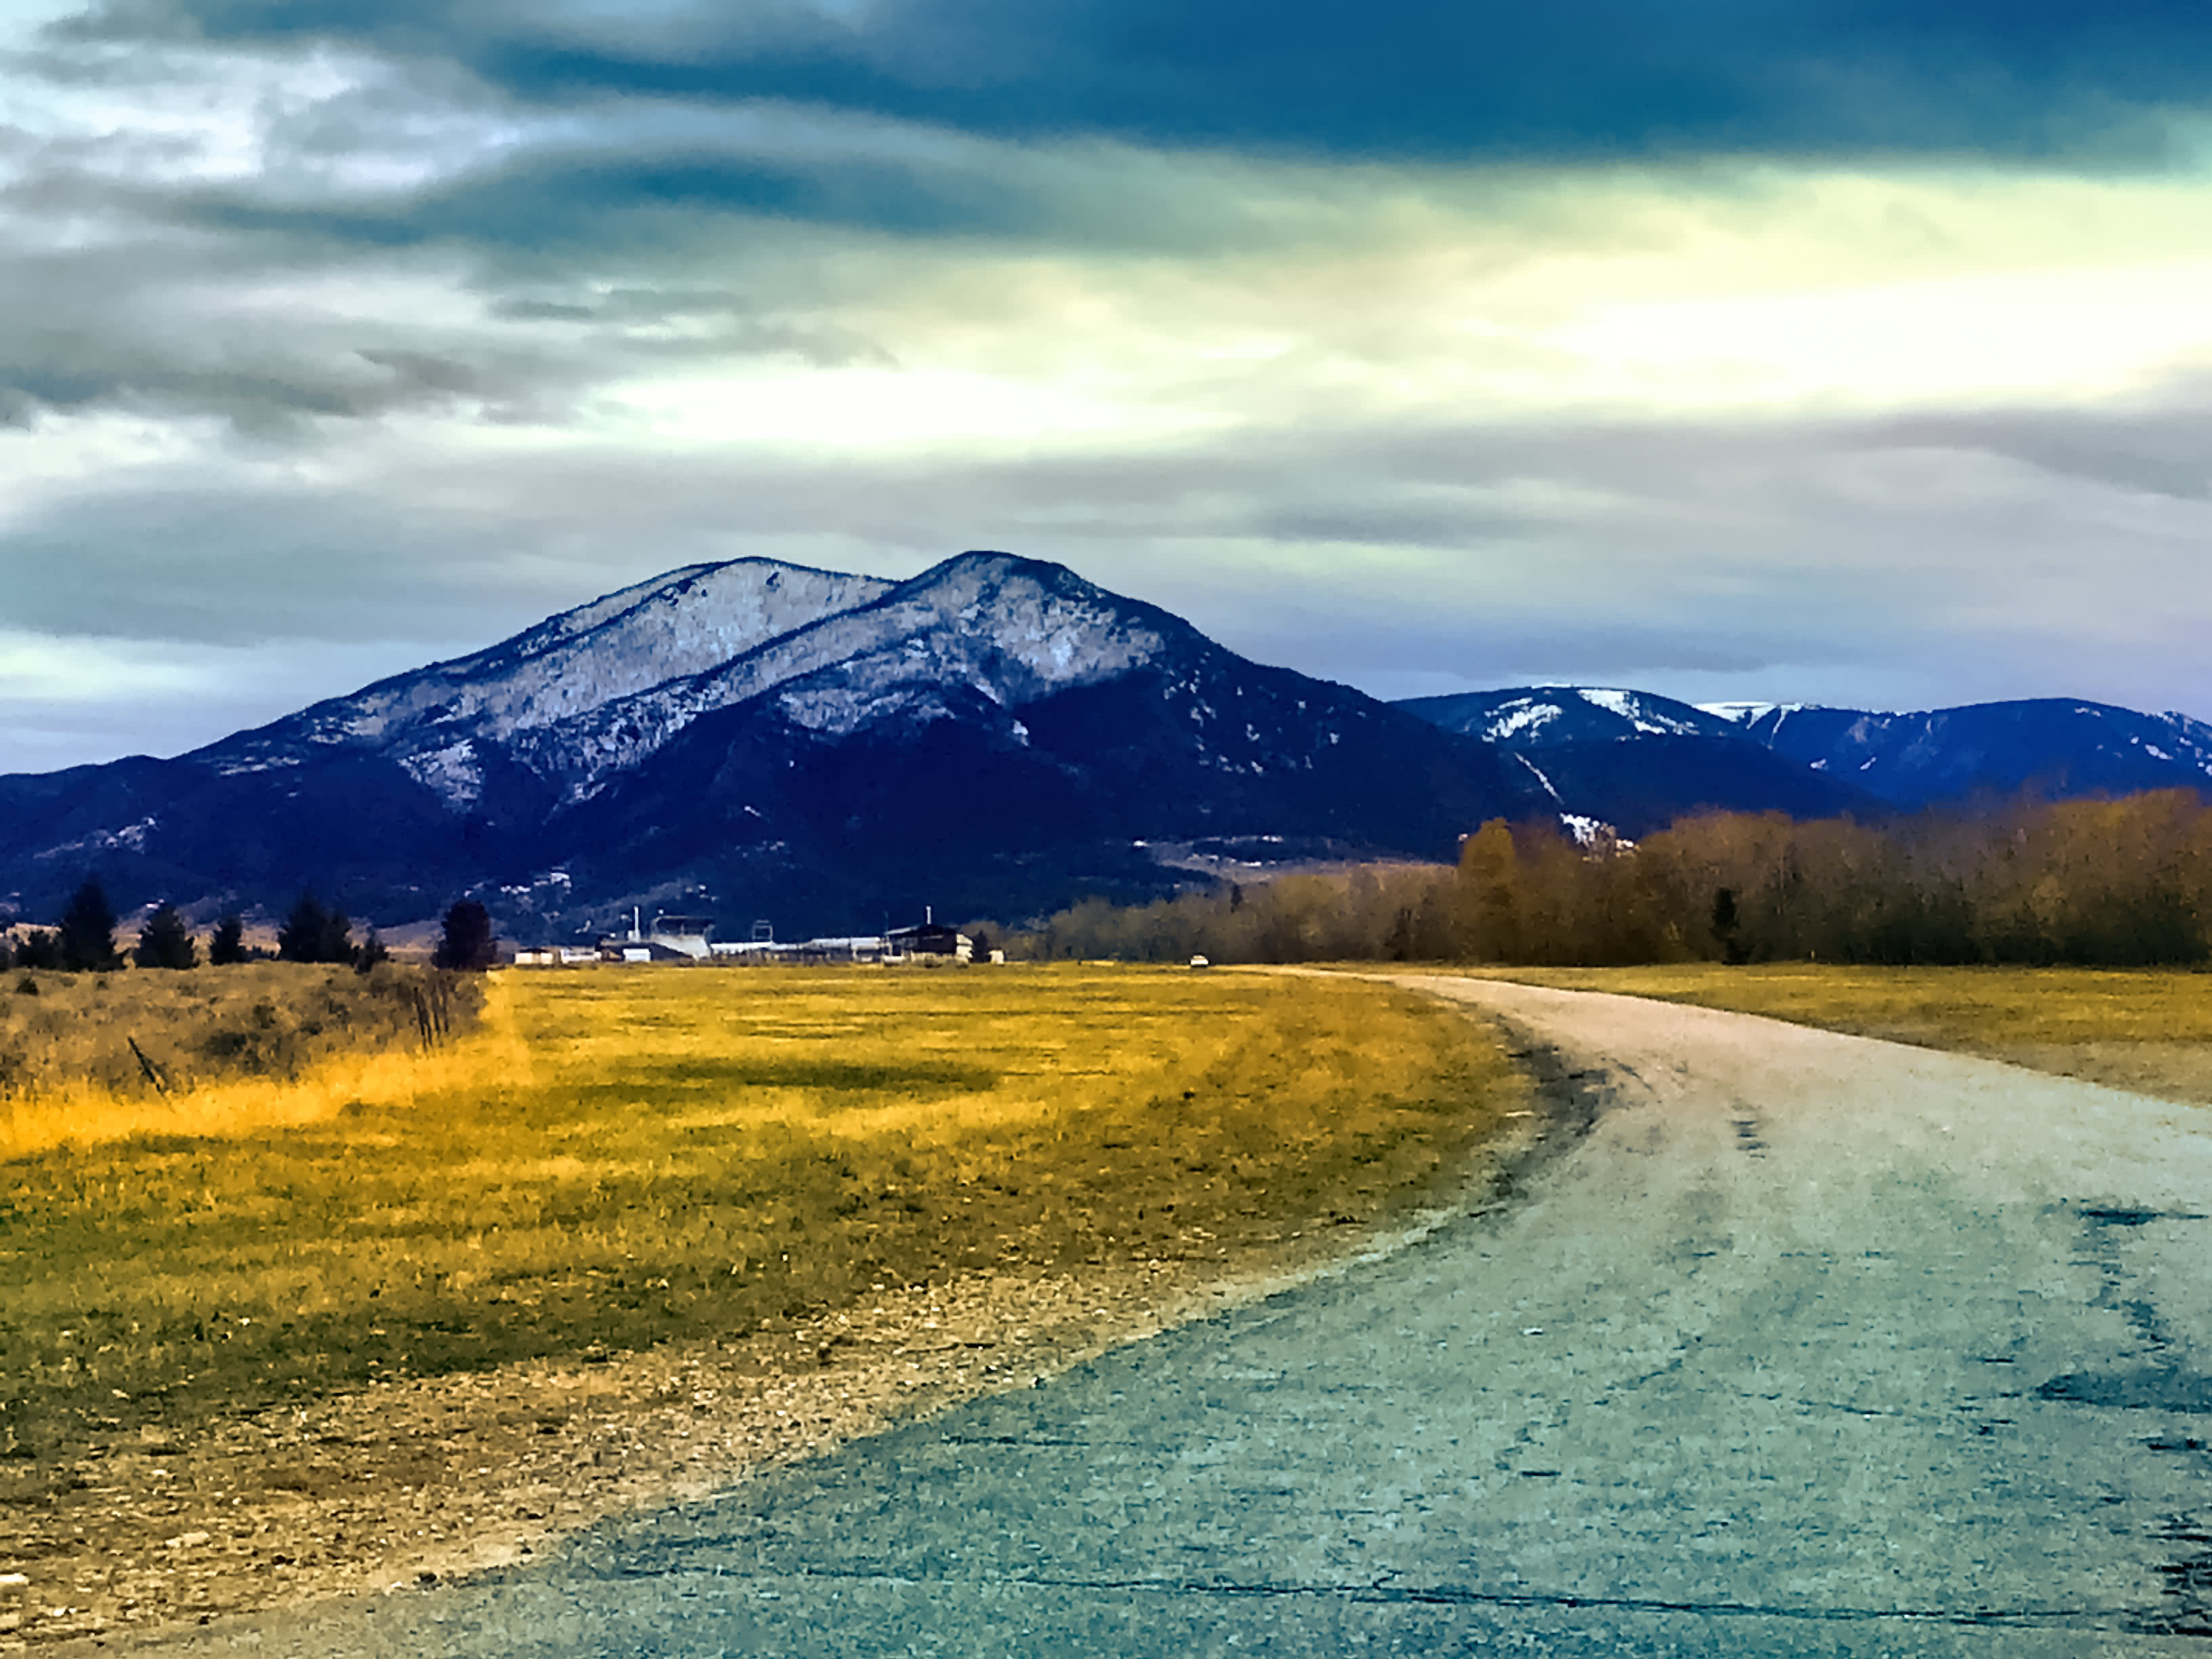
<point x="1584" y="830"/>
<point x="1638" y="710"/>
<point x="454" y="773"/>
<point x="1013" y="630"/>
<point x="683" y="623"/>
<point x="1537" y="772"/>
<point x="1742" y="714"/>
<point x="1519" y="719"/>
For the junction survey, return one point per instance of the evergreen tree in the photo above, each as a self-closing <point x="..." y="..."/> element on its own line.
<point x="467" y="942"/>
<point x="300" y="937"/>
<point x="88" y="932"/>
<point x="40" y="948"/>
<point x="337" y="943"/>
<point x="165" y="942"/>
<point x="311" y="933"/>
<point x="228" y="943"/>
<point x="7" y="951"/>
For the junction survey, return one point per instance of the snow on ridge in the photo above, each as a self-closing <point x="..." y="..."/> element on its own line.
<point x="1622" y="703"/>
<point x="1743" y="713"/>
<point x="1527" y="715"/>
<point x="991" y="623"/>
<point x="667" y="629"/>
<point x="1630" y="707"/>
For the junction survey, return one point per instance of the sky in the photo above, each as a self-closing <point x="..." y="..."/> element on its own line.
<point x="1854" y="351"/>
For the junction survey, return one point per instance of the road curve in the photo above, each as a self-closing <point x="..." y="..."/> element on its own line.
<point x="1808" y="1344"/>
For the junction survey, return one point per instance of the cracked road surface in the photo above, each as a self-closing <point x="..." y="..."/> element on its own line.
<point x="1802" y="1345"/>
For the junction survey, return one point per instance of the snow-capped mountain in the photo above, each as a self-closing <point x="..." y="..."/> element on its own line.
<point x="1542" y="717"/>
<point x="2048" y="746"/>
<point x="992" y="735"/>
<point x="1649" y="755"/>
<point x="1635" y="760"/>
<point x="567" y="668"/>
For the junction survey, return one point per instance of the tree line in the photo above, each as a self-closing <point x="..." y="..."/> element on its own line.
<point x="85" y="941"/>
<point x="2123" y="883"/>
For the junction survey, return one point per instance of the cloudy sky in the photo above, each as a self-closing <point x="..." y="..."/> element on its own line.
<point x="1851" y="350"/>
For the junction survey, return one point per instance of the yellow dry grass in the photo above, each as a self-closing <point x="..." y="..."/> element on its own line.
<point x="620" y="1156"/>
<point x="215" y="1052"/>
<point x="2147" y="1030"/>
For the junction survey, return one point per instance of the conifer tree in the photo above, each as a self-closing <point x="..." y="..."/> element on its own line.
<point x="311" y="933"/>
<point x="165" y="942"/>
<point x="88" y="932"/>
<point x="228" y="943"/>
<point x="300" y="937"/>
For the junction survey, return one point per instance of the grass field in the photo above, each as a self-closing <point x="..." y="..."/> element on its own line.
<point x="2147" y="1029"/>
<point x="89" y="1057"/>
<point x="616" y="1158"/>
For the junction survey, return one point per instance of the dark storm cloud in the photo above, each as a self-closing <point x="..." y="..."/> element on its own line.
<point x="155" y="325"/>
<point x="1437" y="79"/>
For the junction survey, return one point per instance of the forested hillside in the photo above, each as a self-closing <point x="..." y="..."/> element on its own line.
<point x="2117" y="883"/>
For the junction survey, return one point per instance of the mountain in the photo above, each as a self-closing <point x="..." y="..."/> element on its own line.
<point x="993" y="736"/>
<point x="1545" y="717"/>
<point x="2054" y="748"/>
<point x="1637" y="761"/>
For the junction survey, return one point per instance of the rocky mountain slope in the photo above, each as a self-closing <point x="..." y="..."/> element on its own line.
<point x="820" y="750"/>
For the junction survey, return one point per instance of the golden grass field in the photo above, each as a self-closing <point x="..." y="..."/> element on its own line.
<point x="2146" y="1029"/>
<point x="90" y="1057"/>
<point x="618" y="1157"/>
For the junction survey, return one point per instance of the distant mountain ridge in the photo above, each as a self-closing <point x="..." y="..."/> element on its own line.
<point x="1542" y="717"/>
<point x="1635" y="760"/>
<point x="2049" y="746"/>
<point x="994" y="736"/>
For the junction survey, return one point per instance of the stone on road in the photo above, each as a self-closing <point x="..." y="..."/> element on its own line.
<point x="1810" y="1345"/>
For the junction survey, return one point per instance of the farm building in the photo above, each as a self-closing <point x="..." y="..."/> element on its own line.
<point x="931" y="938"/>
<point x="671" y="939"/>
<point x="685" y="935"/>
<point x="813" y="952"/>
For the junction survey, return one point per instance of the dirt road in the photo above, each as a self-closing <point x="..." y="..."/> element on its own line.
<point x="1806" y="1345"/>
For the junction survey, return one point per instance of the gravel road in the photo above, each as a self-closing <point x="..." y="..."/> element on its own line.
<point x="1801" y="1343"/>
